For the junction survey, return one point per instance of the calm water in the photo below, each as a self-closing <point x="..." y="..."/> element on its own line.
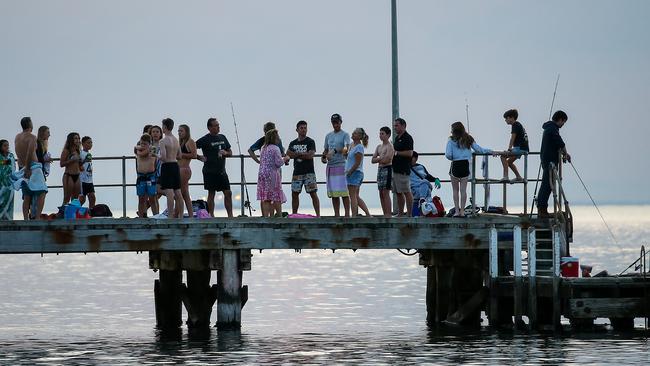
<point x="314" y="307"/>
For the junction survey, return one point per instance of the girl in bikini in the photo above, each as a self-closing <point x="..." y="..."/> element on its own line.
<point x="70" y="161"/>
<point x="188" y="152"/>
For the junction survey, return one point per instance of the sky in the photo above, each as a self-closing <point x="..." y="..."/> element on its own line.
<point x="105" y="69"/>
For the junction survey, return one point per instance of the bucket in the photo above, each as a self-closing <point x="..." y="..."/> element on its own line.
<point x="569" y="266"/>
<point x="70" y="212"/>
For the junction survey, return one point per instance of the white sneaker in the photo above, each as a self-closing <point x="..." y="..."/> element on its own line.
<point x="160" y="216"/>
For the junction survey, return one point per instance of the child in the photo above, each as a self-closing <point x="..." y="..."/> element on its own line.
<point x="383" y="156"/>
<point x="86" y="161"/>
<point x="145" y="165"/>
<point x="354" y="170"/>
<point x="269" y="178"/>
<point x="459" y="151"/>
<point x="517" y="146"/>
<point x="421" y="182"/>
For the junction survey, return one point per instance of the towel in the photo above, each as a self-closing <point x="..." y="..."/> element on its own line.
<point x="33" y="186"/>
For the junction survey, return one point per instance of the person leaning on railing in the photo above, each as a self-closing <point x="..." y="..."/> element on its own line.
<point x="459" y="151"/>
<point x="552" y="146"/>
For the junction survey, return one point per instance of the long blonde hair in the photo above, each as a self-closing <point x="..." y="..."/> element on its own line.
<point x="40" y="137"/>
<point x="271" y="137"/>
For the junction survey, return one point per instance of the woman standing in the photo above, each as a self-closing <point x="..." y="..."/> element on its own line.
<point x="459" y="151"/>
<point x="70" y="161"/>
<point x="156" y="135"/>
<point x="354" y="170"/>
<point x="188" y="152"/>
<point x="42" y="153"/>
<point x="269" y="178"/>
<point x="7" y="166"/>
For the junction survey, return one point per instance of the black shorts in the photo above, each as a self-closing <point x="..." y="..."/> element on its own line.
<point x="459" y="169"/>
<point x="214" y="180"/>
<point x="87" y="188"/>
<point x="170" y="176"/>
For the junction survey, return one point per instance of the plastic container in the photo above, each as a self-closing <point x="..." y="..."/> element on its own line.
<point x="569" y="266"/>
<point x="70" y="212"/>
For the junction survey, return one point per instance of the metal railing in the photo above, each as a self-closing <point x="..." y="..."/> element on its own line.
<point x="474" y="180"/>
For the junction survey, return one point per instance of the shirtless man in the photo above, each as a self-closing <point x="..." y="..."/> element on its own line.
<point x="170" y="174"/>
<point x="383" y="156"/>
<point x="33" y="191"/>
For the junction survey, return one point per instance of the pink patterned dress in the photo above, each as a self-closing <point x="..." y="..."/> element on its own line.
<point x="269" y="178"/>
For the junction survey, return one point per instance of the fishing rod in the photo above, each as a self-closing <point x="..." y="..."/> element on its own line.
<point x="595" y="205"/>
<point x="247" y="202"/>
<point x="539" y="170"/>
<point x="467" y="112"/>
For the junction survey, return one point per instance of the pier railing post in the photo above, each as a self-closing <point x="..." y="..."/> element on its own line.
<point x="525" y="184"/>
<point x="473" y="198"/>
<point x="532" y="278"/>
<point x="517" y="266"/>
<point x="242" y="187"/>
<point x="494" y="273"/>
<point x="123" y="186"/>
<point x="229" y="295"/>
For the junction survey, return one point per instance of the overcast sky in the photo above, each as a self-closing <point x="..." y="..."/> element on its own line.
<point x="105" y="69"/>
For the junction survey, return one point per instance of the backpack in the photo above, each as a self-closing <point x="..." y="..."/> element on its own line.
<point x="101" y="210"/>
<point x="440" y="208"/>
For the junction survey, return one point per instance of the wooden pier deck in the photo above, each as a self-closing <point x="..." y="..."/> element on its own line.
<point x="120" y="235"/>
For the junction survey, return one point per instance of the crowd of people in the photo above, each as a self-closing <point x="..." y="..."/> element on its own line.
<point x="163" y="167"/>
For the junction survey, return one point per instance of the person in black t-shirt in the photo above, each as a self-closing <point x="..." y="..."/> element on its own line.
<point x="403" y="146"/>
<point x="517" y="146"/>
<point x="257" y="145"/>
<point x="216" y="148"/>
<point x="302" y="151"/>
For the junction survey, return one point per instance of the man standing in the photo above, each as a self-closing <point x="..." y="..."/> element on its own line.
<point x="33" y="184"/>
<point x="403" y="146"/>
<point x="552" y="146"/>
<point x="302" y="151"/>
<point x="216" y="148"/>
<point x="336" y="145"/>
<point x="170" y="173"/>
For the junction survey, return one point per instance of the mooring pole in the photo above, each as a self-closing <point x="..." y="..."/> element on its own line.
<point x="518" y="306"/>
<point x="494" y="273"/>
<point x="532" y="278"/>
<point x="229" y="281"/>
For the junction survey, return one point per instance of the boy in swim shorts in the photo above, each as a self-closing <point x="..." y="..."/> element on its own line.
<point x="145" y="165"/>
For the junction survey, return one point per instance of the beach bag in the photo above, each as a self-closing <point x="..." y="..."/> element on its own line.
<point x="202" y="214"/>
<point x="101" y="210"/>
<point x="199" y="205"/>
<point x="440" y="208"/>
<point x="427" y="208"/>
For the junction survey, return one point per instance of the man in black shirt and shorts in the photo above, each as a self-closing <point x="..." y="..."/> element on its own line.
<point x="403" y="146"/>
<point x="302" y="151"/>
<point x="517" y="146"/>
<point x="216" y="148"/>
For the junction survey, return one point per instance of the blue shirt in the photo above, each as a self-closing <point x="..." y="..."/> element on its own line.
<point x="455" y="152"/>
<point x="349" y="162"/>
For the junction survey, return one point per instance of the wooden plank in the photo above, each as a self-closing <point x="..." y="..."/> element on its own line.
<point x="110" y="235"/>
<point x="624" y="307"/>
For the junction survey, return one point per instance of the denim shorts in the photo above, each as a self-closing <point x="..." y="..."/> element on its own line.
<point x="518" y="152"/>
<point x="355" y="178"/>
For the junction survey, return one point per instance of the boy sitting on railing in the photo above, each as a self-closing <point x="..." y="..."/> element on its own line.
<point x="145" y="165"/>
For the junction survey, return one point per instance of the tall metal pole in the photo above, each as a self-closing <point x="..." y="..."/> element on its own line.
<point x="393" y="18"/>
<point x="395" y="80"/>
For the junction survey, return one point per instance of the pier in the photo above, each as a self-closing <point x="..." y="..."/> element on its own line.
<point x="505" y="265"/>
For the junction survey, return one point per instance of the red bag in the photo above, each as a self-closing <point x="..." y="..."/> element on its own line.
<point x="439" y="206"/>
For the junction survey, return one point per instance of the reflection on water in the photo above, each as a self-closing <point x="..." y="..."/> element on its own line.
<point x="313" y="307"/>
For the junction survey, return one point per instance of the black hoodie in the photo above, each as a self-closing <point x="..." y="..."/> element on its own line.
<point x="551" y="143"/>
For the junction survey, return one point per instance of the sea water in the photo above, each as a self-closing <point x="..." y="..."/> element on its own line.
<point x="314" y="307"/>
